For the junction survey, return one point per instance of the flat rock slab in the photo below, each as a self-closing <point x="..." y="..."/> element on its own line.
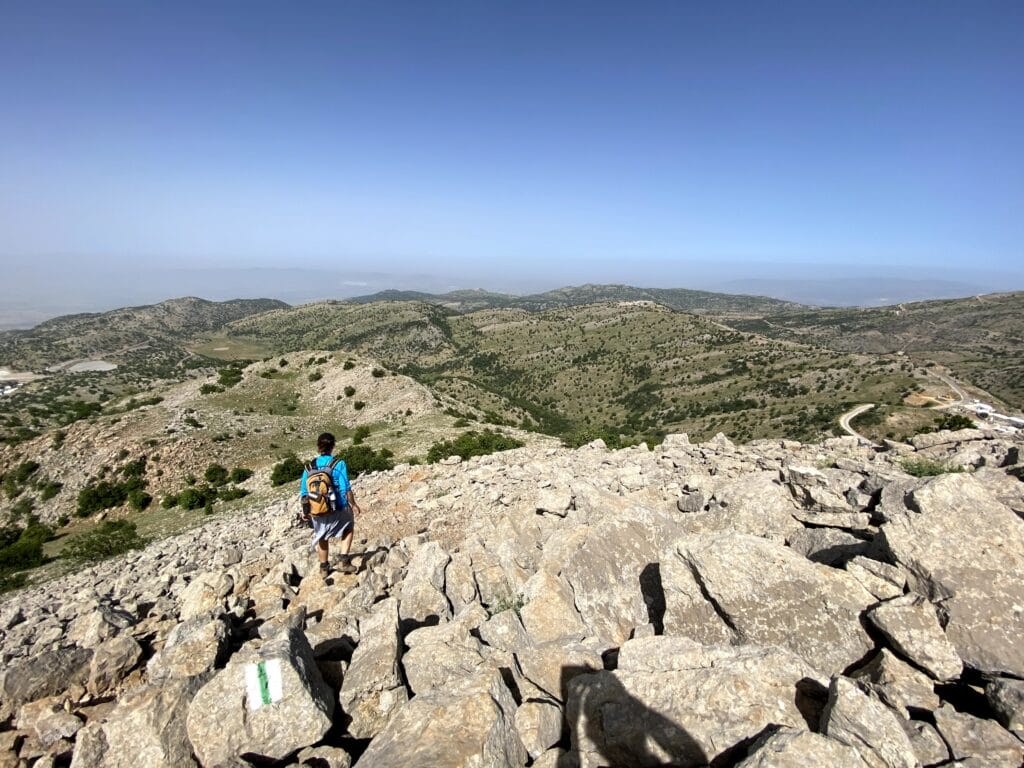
<point x="911" y="626"/>
<point x="767" y="594"/>
<point x="963" y="548"/>
<point x="986" y="741"/>
<point x="675" y="702"/>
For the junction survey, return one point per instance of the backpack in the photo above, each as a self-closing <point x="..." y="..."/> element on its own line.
<point x="320" y="489"/>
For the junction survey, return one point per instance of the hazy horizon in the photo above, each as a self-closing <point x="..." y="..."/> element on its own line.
<point x="796" y="149"/>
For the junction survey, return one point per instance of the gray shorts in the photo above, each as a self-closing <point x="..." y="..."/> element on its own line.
<point x="332" y="526"/>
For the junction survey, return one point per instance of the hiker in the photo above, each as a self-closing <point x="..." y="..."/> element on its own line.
<point x="328" y="504"/>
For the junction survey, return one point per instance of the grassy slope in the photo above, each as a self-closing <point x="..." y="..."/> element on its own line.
<point x="979" y="338"/>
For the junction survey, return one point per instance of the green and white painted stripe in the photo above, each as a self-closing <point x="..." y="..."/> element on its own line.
<point x="263" y="683"/>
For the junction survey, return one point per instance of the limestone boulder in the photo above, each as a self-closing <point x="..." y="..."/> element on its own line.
<point x="675" y="702"/>
<point x="205" y="594"/>
<point x="102" y="623"/>
<point x="111" y="661"/>
<point x="506" y="632"/>
<point x="898" y="684"/>
<point x="373" y="690"/>
<point x="48" y="721"/>
<point x="147" y="727"/>
<point x="911" y="626"/>
<point x="550" y="666"/>
<point x="963" y="548"/>
<point x="767" y="594"/>
<point x="270" y="702"/>
<point x="882" y="580"/>
<point x="430" y="665"/>
<point x="469" y="724"/>
<point x="1006" y="697"/>
<point x="859" y="719"/>
<point x="799" y="748"/>
<point x="47" y="674"/>
<point x="549" y="612"/>
<point x="539" y="723"/>
<point x="422" y="599"/>
<point x="983" y="741"/>
<point x="192" y="648"/>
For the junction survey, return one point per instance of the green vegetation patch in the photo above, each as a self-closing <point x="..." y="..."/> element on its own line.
<point x="109" y="539"/>
<point x="922" y="467"/>
<point x="470" y="444"/>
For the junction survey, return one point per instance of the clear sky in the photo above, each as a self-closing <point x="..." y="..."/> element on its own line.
<point x="547" y="140"/>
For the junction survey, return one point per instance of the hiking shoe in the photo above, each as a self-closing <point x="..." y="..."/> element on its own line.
<point x="325" y="570"/>
<point x="345" y="565"/>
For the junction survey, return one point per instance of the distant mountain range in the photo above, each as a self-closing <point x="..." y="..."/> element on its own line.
<point x="854" y="291"/>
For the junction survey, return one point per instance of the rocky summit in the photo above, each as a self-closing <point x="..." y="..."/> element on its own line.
<point x="767" y="604"/>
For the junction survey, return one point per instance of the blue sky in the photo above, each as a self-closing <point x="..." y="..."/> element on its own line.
<point x="491" y="141"/>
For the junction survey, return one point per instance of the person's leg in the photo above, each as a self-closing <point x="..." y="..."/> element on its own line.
<point x="345" y="545"/>
<point x="321" y="553"/>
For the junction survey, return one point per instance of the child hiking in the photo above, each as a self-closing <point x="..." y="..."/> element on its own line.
<point x="328" y="503"/>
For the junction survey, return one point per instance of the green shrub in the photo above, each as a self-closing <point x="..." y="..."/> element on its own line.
<point x="282" y="363"/>
<point x="378" y="373"/>
<point x="228" y="377"/>
<point x="49" y="490"/>
<point x="110" y="538"/>
<point x="231" y="493"/>
<point x="240" y="474"/>
<point x="348" y="365"/>
<point x="15" y="479"/>
<point x="315" y="376"/>
<point x="12" y="581"/>
<point x="169" y="501"/>
<point x="139" y="500"/>
<point x="105" y="494"/>
<point x="472" y="444"/>
<point x="63" y="520"/>
<point x="954" y="421"/>
<point x="209" y="389"/>
<point x="194" y="498"/>
<point x="921" y="467"/>
<point x="23" y="547"/>
<point x="362" y="458"/>
<point x="460" y="423"/>
<point x="359" y="405"/>
<point x="349" y="391"/>
<point x="216" y="475"/>
<point x="360" y="434"/>
<point x="287" y="470"/>
<point x="192" y="421"/>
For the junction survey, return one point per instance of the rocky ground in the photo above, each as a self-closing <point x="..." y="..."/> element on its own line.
<point x="772" y="604"/>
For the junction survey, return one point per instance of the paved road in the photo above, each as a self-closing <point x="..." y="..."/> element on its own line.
<point x="844" y="421"/>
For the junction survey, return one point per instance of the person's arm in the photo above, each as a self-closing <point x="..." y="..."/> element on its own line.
<point x="303" y="498"/>
<point x="356" y="509"/>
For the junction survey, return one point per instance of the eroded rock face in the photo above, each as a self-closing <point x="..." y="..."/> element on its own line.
<point x="270" y="702"/>
<point x="861" y="721"/>
<point x="372" y="690"/>
<point x="965" y="549"/>
<point x="910" y="625"/>
<point x="636" y="715"/>
<point x="146" y="728"/>
<point x="468" y="724"/>
<point x="766" y="594"/>
<point x="971" y="738"/>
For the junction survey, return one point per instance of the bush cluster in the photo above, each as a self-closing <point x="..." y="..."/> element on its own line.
<point x="362" y="458"/>
<point x="472" y="444"/>
<point x="110" y="538"/>
<point x="286" y="470"/>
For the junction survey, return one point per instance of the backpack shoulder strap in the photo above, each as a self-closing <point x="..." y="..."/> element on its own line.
<point x="333" y="463"/>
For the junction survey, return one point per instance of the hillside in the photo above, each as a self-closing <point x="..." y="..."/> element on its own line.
<point x="682" y="299"/>
<point x="635" y="368"/>
<point x="121" y="335"/>
<point x="980" y="338"/>
<point x="690" y="605"/>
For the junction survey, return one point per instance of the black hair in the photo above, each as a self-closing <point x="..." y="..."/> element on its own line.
<point x="325" y="443"/>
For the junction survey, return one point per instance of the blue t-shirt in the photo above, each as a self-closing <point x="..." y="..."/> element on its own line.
<point x="339" y="473"/>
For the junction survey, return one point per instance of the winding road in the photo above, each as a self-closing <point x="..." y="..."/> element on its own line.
<point x="844" y="421"/>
